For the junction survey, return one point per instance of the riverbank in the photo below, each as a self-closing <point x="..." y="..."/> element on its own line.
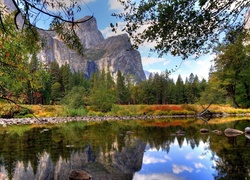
<point x="52" y="114"/>
<point x="55" y="120"/>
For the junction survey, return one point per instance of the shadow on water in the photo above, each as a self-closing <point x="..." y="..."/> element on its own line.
<point x="125" y="150"/>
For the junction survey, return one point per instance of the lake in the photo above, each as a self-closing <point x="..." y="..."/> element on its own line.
<point x="139" y="149"/>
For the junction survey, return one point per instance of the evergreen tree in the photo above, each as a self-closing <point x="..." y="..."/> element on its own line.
<point x="56" y="92"/>
<point x="55" y="73"/>
<point x="37" y="84"/>
<point x="179" y="91"/>
<point x="170" y="93"/>
<point x="102" y="95"/>
<point x="193" y="88"/>
<point x="121" y="90"/>
<point x="66" y="78"/>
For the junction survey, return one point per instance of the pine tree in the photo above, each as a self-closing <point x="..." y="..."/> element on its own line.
<point x="102" y="95"/>
<point x="121" y="89"/>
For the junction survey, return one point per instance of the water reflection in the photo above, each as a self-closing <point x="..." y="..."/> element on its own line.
<point x="125" y="150"/>
<point x="187" y="162"/>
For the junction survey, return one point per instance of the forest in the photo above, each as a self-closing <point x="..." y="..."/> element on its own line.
<point x="26" y="80"/>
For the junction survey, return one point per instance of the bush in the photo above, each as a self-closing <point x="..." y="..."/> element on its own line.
<point x="77" y="112"/>
<point x="23" y="112"/>
<point x="115" y="108"/>
<point x="74" y="99"/>
<point x="14" y="111"/>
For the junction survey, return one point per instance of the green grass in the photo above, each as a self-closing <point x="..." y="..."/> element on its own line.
<point x="77" y="112"/>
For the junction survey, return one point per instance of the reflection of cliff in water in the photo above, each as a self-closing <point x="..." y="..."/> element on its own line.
<point x="111" y="165"/>
<point x="113" y="150"/>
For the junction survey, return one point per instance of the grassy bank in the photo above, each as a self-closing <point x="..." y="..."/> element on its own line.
<point x="8" y="111"/>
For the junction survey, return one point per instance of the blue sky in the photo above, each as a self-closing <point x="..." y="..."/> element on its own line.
<point x="102" y="10"/>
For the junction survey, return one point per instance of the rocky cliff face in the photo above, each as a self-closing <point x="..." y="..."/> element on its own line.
<point x="111" y="54"/>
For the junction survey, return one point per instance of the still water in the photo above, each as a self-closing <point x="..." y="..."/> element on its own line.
<point x="126" y="150"/>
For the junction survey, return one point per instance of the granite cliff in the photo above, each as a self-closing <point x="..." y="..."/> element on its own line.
<point x="111" y="54"/>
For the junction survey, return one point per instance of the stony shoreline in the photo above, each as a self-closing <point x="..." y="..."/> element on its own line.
<point x="55" y="120"/>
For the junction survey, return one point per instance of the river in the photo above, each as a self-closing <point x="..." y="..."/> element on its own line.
<point x="125" y="150"/>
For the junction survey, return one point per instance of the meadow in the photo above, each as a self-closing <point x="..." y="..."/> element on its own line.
<point x="22" y="111"/>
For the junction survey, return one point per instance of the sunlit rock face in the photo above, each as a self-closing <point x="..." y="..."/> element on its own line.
<point x="88" y="32"/>
<point x="118" y="55"/>
<point x="114" y="164"/>
<point x="111" y="54"/>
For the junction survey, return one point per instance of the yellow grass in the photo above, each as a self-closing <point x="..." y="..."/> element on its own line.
<point x="131" y="110"/>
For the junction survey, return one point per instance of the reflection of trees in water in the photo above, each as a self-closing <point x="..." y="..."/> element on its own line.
<point x="233" y="163"/>
<point x="162" y="137"/>
<point x="233" y="154"/>
<point x="119" y="141"/>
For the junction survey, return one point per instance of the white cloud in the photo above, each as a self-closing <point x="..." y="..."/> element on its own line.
<point x="168" y="158"/>
<point x="152" y="160"/>
<point x="189" y="156"/>
<point x="199" y="166"/>
<point x="146" y="46"/>
<point x="179" y="169"/>
<point x="202" y="156"/>
<point x="107" y="32"/>
<point x="166" y="62"/>
<point x="152" y="60"/>
<point x="115" y="5"/>
<point x="204" y="64"/>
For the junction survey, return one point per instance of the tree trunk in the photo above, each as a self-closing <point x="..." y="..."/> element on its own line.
<point x="203" y="113"/>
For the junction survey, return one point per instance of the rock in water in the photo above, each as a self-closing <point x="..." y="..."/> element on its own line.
<point x="204" y="130"/>
<point x="247" y="130"/>
<point x="217" y="132"/>
<point x="232" y="132"/>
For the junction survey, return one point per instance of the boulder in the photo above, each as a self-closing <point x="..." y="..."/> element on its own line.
<point x="217" y="132"/>
<point x="77" y="174"/>
<point x="247" y="130"/>
<point x="232" y="132"/>
<point x="204" y="130"/>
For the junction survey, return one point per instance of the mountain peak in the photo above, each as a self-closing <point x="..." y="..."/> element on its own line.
<point x="111" y="54"/>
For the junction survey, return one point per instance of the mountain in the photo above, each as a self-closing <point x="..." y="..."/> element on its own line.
<point x="111" y="54"/>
